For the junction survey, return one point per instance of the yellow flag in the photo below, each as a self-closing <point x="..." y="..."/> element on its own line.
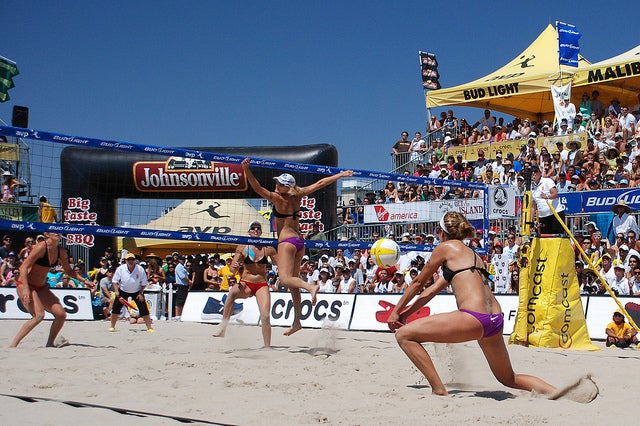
<point x="550" y="312"/>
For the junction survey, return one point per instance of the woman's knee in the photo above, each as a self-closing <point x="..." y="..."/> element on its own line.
<point x="38" y="316"/>
<point x="265" y="319"/>
<point x="403" y="335"/>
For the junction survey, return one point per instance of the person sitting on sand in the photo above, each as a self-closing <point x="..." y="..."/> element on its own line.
<point x="619" y="333"/>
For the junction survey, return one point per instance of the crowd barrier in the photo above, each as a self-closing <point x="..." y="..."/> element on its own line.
<point x="75" y="301"/>
<point x="368" y="312"/>
<point x="361" y="312"/>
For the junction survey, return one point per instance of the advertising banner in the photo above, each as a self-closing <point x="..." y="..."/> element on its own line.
<point x="550" y="312"/>
<point x="423" y="211"/>
<point x="75" y="301"/>
<point x="470" y="152"/>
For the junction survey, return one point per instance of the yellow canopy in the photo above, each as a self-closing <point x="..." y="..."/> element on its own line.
<point x="614" y="77"/>
<point x="519" y="88"/>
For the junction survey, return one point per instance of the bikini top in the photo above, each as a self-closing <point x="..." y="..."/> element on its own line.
<point x="249" y="259"/>
<point x="44" y="260"/>
<point x="293" y="215"/>
<point x="448" y="274"/>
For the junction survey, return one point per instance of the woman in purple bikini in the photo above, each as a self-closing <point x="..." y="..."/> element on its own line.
<point x="286" y="200"/>
<point x="479" y="316"/>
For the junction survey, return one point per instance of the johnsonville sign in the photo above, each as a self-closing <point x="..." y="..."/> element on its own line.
<point x="188" y="175"/>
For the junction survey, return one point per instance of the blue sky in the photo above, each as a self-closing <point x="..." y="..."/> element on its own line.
<point x="255" y="73"/>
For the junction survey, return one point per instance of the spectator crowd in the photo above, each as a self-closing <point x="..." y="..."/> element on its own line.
<point x="607" y="159"/>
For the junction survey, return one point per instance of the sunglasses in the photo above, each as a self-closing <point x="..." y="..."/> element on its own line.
<point x="255" y="228"/>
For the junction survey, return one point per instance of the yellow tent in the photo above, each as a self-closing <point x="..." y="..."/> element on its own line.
<point x="614" y="77"/>
<point x="520" y="88"/>
<point x="218" y="216"/>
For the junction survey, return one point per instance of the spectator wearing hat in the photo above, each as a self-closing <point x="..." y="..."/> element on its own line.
<point x="497" y="166"/>
<point x="500" y="134"/>
<point x="154" y="270"/>
<point x="9" y="185"/>
<point x="619" y="284"/>
<point x="606" y="267"/>
<point x="567" y="111"/>
<point x="622" y="222"/>
<point x="574" y="156"/>
<point x="480" y="167"/>
<point x="619" y="333"/>
<point x="130" y="281"/>
<point x="511" y="132"/>
<point x="563" y="128"/>
<point x="579" y="124"/>
<point x="543" y="190"/>
<point x="6" y="248"/>
<point x="562" y="186"/>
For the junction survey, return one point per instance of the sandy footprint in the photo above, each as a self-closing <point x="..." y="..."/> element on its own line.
<point x="584" y="391"/>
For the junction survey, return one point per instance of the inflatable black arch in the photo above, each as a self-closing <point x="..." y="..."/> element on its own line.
<point x="88" y="177"/>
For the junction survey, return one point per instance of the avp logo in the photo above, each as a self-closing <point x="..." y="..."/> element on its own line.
<point x="381" y="213"/>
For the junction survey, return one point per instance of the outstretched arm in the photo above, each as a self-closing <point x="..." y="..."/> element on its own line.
<point x="326" y="181"/>
<point x="259" y="189"/>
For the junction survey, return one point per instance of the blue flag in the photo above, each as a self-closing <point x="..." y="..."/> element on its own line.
<point x="568" y="47"/>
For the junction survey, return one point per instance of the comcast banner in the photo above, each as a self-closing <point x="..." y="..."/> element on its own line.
<point x="550" y="312"/>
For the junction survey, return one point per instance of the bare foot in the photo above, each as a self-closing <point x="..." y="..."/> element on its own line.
<point x="314" y="293"/>
<point x="293" y="329"/>
<point x="60" y="342"/>
<point x="222" y="330"/>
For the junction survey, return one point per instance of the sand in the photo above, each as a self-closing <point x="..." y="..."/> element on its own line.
<point x="316" y="376"/>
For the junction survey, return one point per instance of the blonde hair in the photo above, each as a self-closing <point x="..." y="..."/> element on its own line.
<point x="457" y="226"/>
<point x="296" y="191"/>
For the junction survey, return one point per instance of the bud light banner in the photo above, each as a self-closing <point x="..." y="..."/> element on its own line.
<point x="599" y="201"/>
<point x="568" y="46"/>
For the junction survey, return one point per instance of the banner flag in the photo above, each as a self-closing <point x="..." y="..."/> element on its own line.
<point x="560" y="96"/>
<point x="430" y="74"/>
<point x="8" y="70"/>
<point x="550" y="312"/>
<point x="568" y="46"/>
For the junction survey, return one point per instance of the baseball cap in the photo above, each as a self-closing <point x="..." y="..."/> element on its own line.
<point x="285" y="179"/>
<point x="130" y="256"/>
<point x="255" y="223"/>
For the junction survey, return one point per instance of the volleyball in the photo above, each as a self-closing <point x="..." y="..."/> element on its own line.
<point x="385" y="252"/>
